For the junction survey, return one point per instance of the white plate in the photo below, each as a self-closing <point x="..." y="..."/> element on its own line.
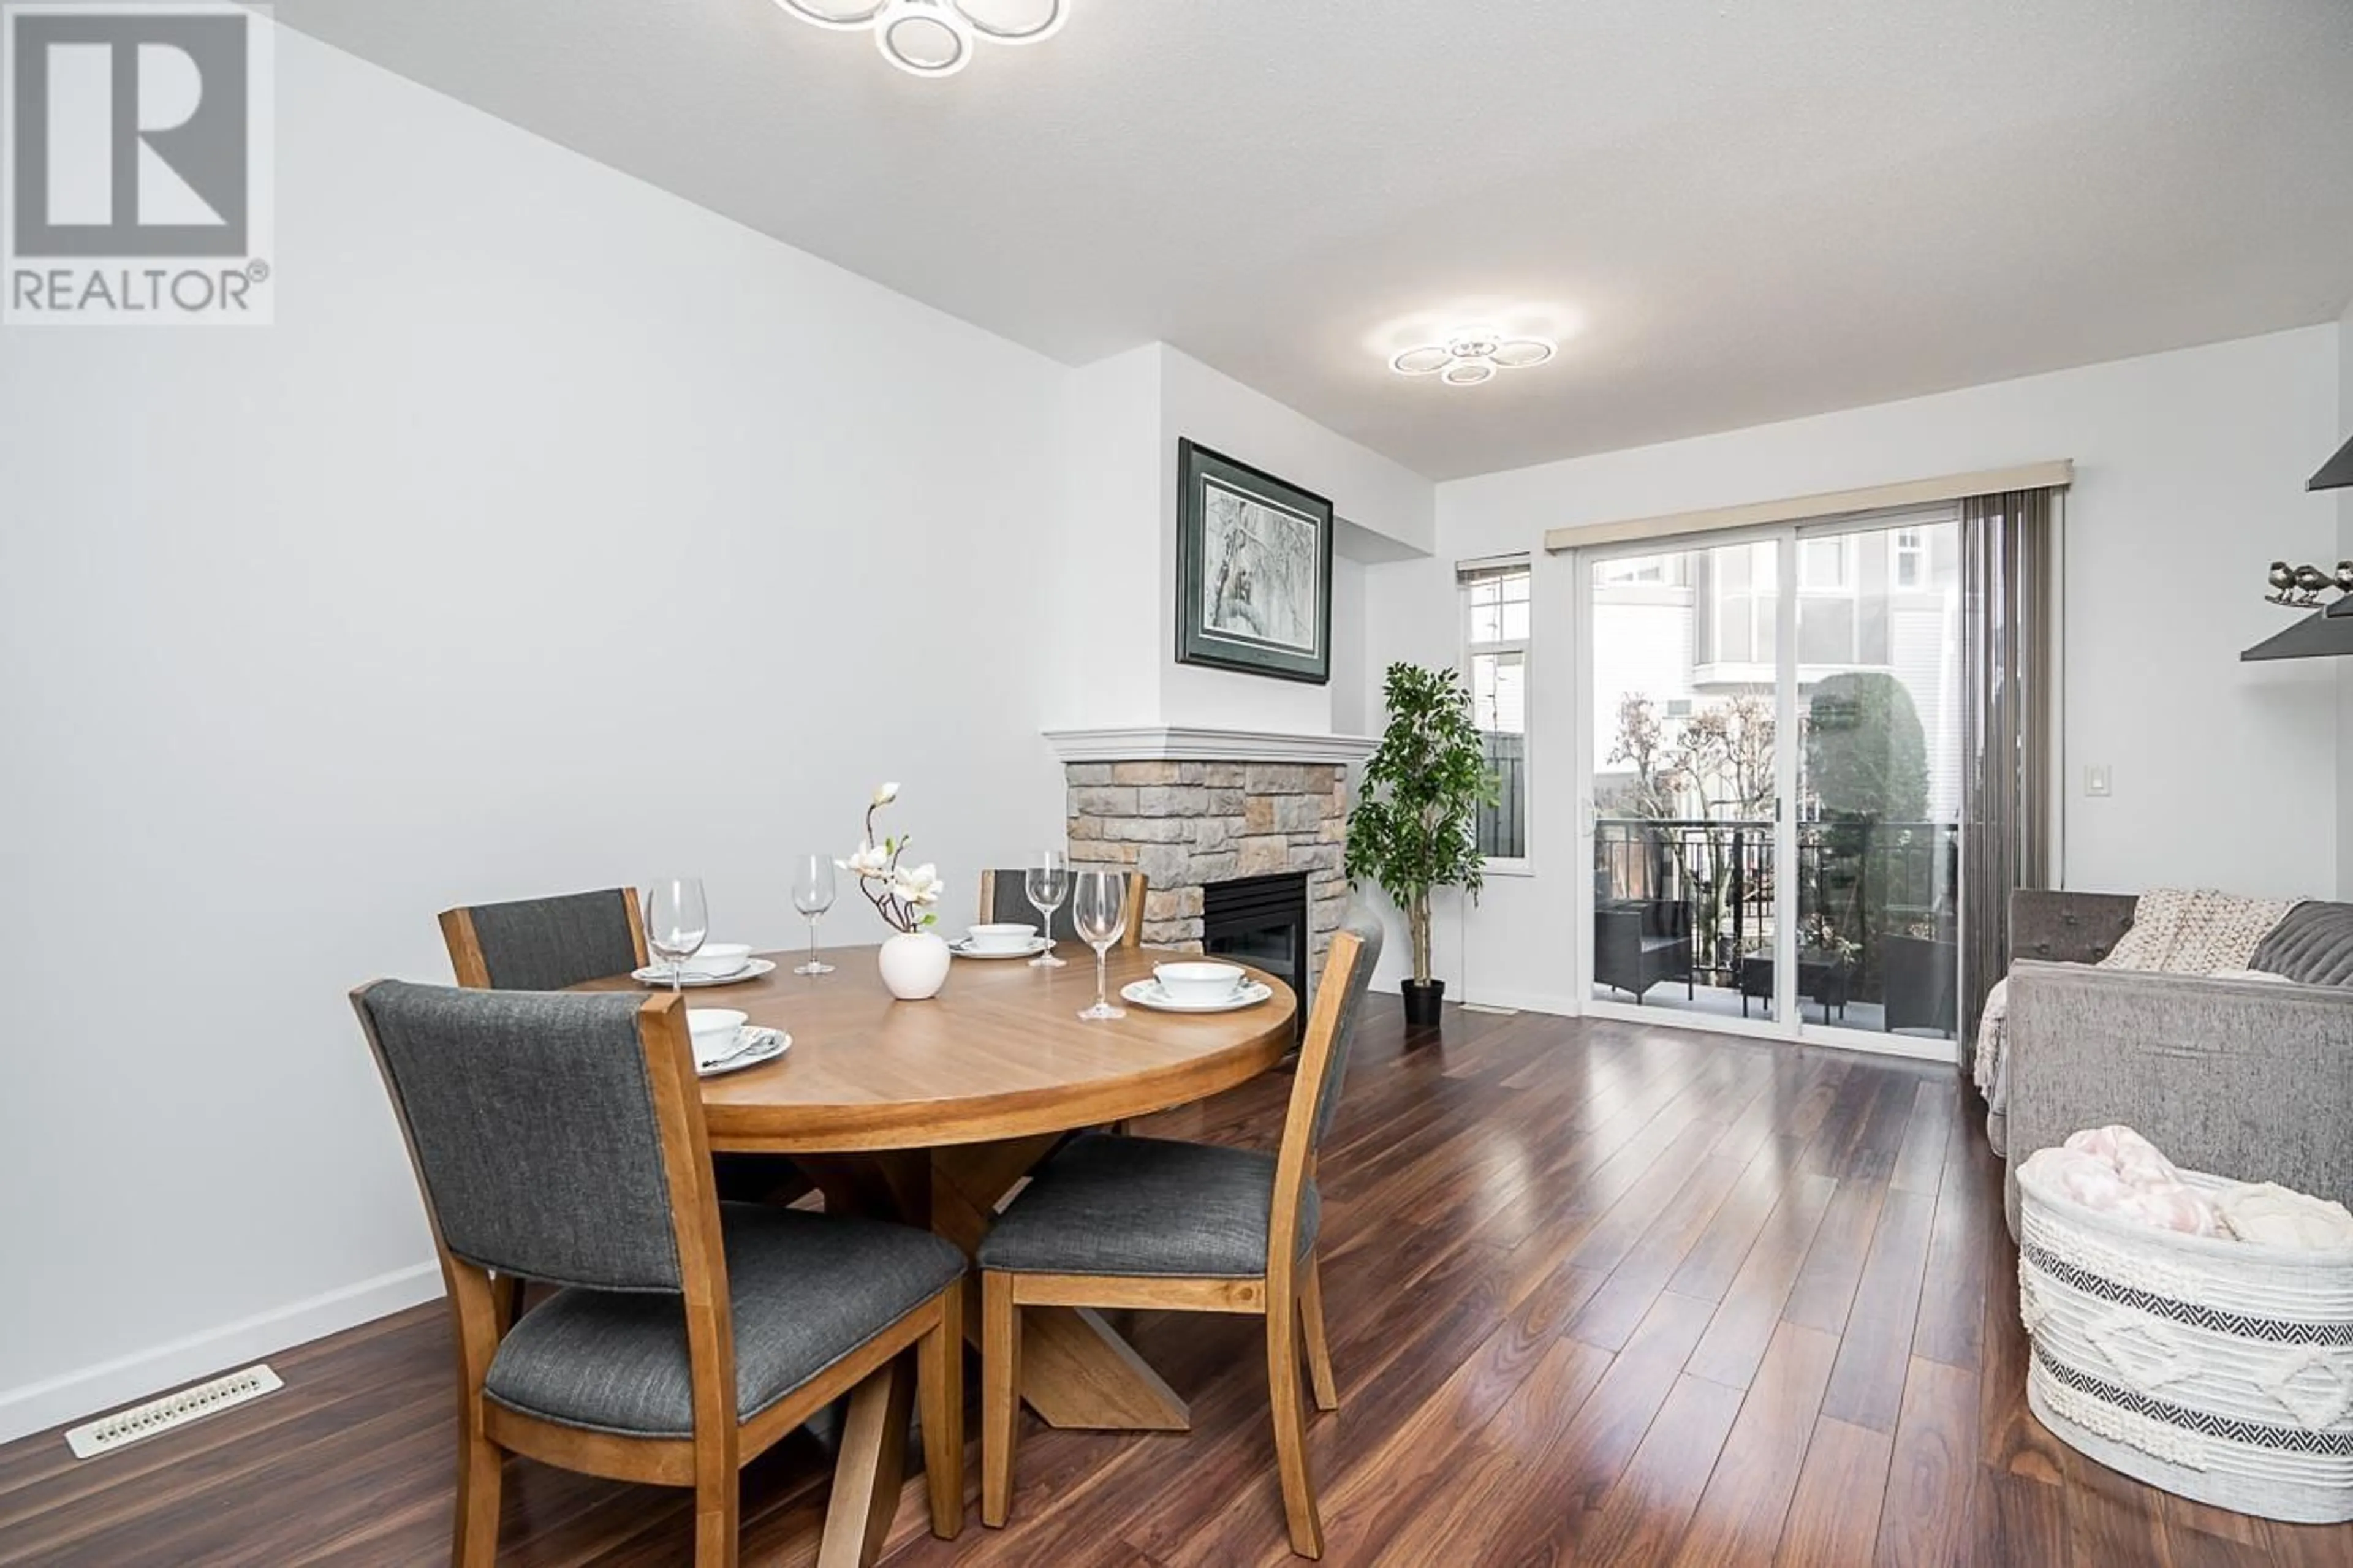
<point x="1148" y="994"/>
<point x="657" y="976"/>
<point x="776" y="1044"/>
<point x="963" y="948"/>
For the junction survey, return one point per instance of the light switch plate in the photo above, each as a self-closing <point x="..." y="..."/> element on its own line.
<point x="2096" y="782"/>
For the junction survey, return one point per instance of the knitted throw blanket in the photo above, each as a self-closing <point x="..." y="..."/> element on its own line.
<point x="2179" y="933"/>
<point x="2175" y="930"/>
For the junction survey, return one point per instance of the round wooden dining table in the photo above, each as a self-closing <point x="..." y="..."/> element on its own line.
<point x="929" y="1112"/>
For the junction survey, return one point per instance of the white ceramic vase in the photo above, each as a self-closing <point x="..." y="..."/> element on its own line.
<point x="914" y="966"/>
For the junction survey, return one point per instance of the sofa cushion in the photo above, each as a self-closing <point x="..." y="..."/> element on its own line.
<point x="2051" y="927"/>
<point x="2313" y="945"/>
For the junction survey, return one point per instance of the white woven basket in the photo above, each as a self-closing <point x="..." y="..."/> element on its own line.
<point x="2215" y="1369"/>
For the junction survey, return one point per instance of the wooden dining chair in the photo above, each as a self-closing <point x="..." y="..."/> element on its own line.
<point x="1005" y="900"/>
<point x="552" y="944"/>
<point x="558" y="1139"/>
<point x="545" y="944"/>
<point x="1113" y="1221"/>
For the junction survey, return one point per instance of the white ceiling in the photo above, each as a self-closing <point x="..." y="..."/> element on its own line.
<point x="1758" y="210"/>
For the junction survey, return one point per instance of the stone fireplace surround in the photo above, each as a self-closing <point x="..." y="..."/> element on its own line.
<point x="1187" y="824"/>
<point x="1186" y="817"/>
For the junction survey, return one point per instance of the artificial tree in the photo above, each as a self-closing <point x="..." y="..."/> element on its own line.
<point x="1416" y="824"/>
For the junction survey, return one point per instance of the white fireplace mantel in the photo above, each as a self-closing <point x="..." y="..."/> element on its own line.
<point x="1158" y="743"/>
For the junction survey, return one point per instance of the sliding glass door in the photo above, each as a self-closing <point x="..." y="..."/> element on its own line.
<point x="1878" y="831"/>
<point x="1771" y="775"/>
<point x="1685" y="748"/>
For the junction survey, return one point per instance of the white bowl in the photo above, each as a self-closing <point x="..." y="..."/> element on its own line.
<point x="1001" y="938"/>
<point x="715" y="1030"/>
<point x="1198" y="981"/>
<point x="717" y="958"/>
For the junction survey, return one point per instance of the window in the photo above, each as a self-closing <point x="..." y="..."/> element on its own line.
<point x="1743" y="595"/>
<point x="1643" y="572"/>
<point x="1911" y="556"/>
<point x="1499" y="692"/>
<point x="1495" y="661"/>
<point x="1823" y="563"/>
<point x="1498" y="601"/>
<point x="1633" y="569"/>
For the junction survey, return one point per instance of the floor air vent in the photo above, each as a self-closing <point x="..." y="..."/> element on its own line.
<point x="1490" y="1008"/>
<point x="125" y="1427"/>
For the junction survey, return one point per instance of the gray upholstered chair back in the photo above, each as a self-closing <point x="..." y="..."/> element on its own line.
<point x="550" y="945"/>
<point x="534" y="1130"/>
<point x="1005" y="900"/>
<point x="1008" y="904"/>
<point x="1366" y="926"/>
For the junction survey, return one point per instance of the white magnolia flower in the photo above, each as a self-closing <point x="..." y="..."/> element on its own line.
<point x="920" y="886"/>
<point x="886" y="794"/>
<point x="869" y="861"/>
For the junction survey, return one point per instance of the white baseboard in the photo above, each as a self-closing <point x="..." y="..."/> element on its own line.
<point x="92" y="1389"/>
<point x="1526" y="1002"/>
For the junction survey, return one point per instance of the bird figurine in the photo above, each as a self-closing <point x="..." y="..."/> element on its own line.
<point x="2345" y="576"/>
<point x="2282" y="578"/>
<point x="2309" y="582"/>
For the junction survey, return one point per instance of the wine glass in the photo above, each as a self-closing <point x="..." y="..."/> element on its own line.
<point x="1047" y="885"/>
<point x="1100" y="909"/>
<point x="813" y="895"/>
<point x="678" y="920"/>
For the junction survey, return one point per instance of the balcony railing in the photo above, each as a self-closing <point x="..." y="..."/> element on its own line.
<point x="1860" y="884"/>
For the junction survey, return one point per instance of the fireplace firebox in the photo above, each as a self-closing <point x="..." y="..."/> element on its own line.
<point x="1262" y="921"/>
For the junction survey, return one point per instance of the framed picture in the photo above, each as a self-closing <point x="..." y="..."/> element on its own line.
<point x="1253" y="570"/>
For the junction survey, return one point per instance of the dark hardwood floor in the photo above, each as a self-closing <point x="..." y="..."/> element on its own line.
<point x="1597" y="1293"/>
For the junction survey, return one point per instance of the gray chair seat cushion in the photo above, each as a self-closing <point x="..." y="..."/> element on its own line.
<point x="1129" y="1206"/>
<point x="807" y="1289"/>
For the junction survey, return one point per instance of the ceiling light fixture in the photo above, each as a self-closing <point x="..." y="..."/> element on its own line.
<point x="936" y="37"/>
<point x="1472" y="355"/>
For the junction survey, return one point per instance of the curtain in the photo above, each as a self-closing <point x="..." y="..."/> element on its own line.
<point x="2008" y="685"/>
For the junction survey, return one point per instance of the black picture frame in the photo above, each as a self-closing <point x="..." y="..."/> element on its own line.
<point x="1257" y="520"/>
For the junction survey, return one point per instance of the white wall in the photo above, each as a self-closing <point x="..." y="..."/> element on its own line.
<point x="560" y="534"/>
<point x="1124" y="418"/>
<point x="1353" y="704"/>
<point x="1378" y="495"/>
<point x="1382" y="497"/>
<point x="1110" y="569"/>
<point x="2189" y="479"/>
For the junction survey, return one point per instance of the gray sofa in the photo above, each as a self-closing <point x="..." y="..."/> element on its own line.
<point x="2246" y="1078"/>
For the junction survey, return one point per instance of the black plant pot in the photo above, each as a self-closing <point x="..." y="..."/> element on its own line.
<point x="1422" y="998"/>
